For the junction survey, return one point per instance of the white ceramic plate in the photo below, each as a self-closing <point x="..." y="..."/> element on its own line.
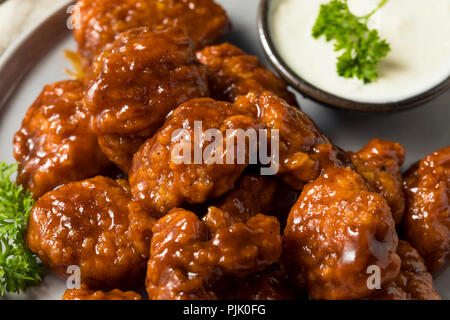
<point x="37" y="59"/>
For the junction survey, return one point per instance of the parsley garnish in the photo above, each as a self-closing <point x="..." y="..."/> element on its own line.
<point x="19" y="267"/>
<point x="362" y="48"/>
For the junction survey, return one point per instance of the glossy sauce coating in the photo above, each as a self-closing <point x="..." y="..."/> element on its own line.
<point x="162" y="177"/>
<point x="186" y="261"/>
<point x="414" y="282"/>
<point x="102" y="20"/>
<point x="54" y="144"/>
<point x="86" y="294"/>
<point x="266" y="285"/>
<point x="379" y="163"/>
<point x="303" y="150"/>
<point x="427" y="220"/>
<point x="335" y="231"/>
<point x="88" y="224"/>
<point x="252" y="195"/>
<point x="233" y="73"/>
<point x="120" y="149"/>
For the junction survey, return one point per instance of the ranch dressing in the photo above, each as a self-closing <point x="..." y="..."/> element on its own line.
<point x="418" y="32"/>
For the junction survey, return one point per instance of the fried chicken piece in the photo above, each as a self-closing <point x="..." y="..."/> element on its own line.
<point x="252" y="195"/>
<point x="54" y="145"/>
<point x="186" y="261"/>
<point x="335" y="231"/>
<point x="164" y="175"/>
<point x="120" y="149"/>
<point x="266" y="285"/>
<point x="233" y="73"/>
<point x="102" y="20"/>
<point x="88" y="224"/>
<point x="379" y="163"/>
<point x="141" y="77"/>
<point x="414" y="282"/>
<point x="427" y="222"/>
<point x="86" y="294"/>
<point x="303" y="150"/>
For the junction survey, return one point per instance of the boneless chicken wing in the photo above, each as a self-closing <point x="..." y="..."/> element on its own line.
<point x="379" y="163"/>
<point x="303" y="150"/>
<point x="166" y="171"/>
<point x="120" y="149"/>
<point x="335" y="231"/>
<point x="252" y="195"/>
<point x="233" y="73"/>
<point x="427" y="221"/>
<point x="86" y="294"/>
<point x="136" y="82"/>
<point x="187" y="261"/>
<point x="54" y="144"/>
<point x="266" y="285"/>
<point x="102" y="20"/>
<point x="414" y="282"/>
<point x="88" y="224"/>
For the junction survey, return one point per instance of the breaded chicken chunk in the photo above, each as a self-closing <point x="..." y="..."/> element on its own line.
<point x="427" y="220"/>
<point x="233" y="73"/>
<point x="303" y="150"/>
<point x="55" y="145"/>
<point x="100" y="21"/>
<point x="266" y="285"/>
<point x="86" y="294"/>
<point x="414" y="282"/>
<point x="252" y="195"/>
<point x="187" y="261"/>
<point x="379" y="163"/>
<point x="181" y="165"/>
<point x="136" y="82"/>
<point x="335" y="232"/>
<point x="88" y="224"/>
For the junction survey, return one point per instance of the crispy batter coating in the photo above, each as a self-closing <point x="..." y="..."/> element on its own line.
<point x="427" y="221"/>
<point x="414" y="282"/>
<point x="186" y="260"/>
<point x="165" y="174"/>
<point x="102" y="20"/>
<point x="335" y="231"/>
<point x="86" y="294"/>
<point x="266" y="285"/>
<point x="303" y="150"/>
<point x="88" y="224"/>
<point x="252" y="195"/>
<point x="233" y="73"/>
<point x="120" y="149"/>
<point x="379" y="163"/>
<point x="54" y="144"/>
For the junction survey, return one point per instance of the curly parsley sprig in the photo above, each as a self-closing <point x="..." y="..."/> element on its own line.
<point x="362" y="48"/>
<point x="19" y="267"/>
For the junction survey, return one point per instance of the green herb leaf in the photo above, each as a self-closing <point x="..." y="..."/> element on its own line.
<point x="362" y="48"/>
<point x="19" y="267"/>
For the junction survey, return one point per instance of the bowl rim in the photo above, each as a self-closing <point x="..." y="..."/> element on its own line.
<point x="324" y="97"/>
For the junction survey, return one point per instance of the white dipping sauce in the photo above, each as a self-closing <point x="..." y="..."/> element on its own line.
<point x="418" y="32"/>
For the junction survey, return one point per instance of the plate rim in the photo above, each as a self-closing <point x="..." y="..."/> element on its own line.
<point x="11" y="73"/>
